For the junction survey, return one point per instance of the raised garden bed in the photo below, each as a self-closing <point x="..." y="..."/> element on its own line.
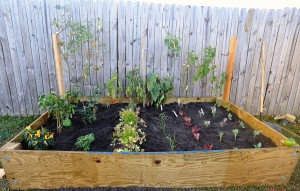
<point x="189" y="165"/>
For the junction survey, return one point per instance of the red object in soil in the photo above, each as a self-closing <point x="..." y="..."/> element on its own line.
<point x="187" y="123"/>
<point x="208" y="146"/>
<point x="197" y="136"/>
<point x="113" y="101"/>
<point x="187" y="118"/>
<point x="180" y="112"/>
<point x="195" y="129"/>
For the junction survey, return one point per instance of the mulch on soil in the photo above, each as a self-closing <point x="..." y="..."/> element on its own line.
<point x="108" y="118"/>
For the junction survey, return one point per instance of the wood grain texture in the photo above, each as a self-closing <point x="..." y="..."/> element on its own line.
<point x="58" y="66"/>
<point x="230" y="67"/>
<point x="184" y="170"/>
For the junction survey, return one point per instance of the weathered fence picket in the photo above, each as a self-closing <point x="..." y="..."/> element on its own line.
<point x="131" y="35"/>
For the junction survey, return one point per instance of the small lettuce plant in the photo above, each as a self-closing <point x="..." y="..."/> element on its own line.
<point x="235" y="132"/>
<point x="201" y="112"/>
<point x="84" y="142"/>
<point x="39" y="139"/>
<point x="258" y="145"/>
<point x="242" y="125"/>
<point x="220" y="136"/>
<point x="229" y="116"/>
<point x="256" y="133"/>
<point x="206" y="123"/>
<point x="128" y="136"/>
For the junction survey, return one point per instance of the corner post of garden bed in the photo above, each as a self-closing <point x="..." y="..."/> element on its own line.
<point x="230" y="66"/>
<point x="58" y="65"/>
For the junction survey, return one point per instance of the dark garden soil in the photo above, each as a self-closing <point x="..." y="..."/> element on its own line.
<point x="108" y="118"/>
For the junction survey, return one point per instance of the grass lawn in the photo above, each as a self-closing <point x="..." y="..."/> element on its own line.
<point x="10" y="126"/>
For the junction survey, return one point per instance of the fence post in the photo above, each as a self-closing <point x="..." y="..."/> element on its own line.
<point x="58" y="65"/>
<point x="230" y="66"/>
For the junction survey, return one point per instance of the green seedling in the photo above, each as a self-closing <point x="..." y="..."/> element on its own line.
<point x="235" y="132"/>
<point x="258" y="145"/>
<point x="256" y="133"/>
<point x="229" y="116"/>
<point x="220" y="136"/>
<point x="84" y="142"/>
<point x="206" y="123"/>
<point x="171" y="142"/>
<point x="242" y="125"/>
<point x="227" y="107"/>
<point x="201" y="112"/>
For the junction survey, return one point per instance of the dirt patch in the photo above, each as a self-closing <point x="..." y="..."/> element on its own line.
<point x="108" y="118"/>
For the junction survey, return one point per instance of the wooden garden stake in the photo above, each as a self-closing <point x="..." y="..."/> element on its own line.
<point x="262" y="78"/>
<point x="58" y="65"/>
<point x="230" y="66"/>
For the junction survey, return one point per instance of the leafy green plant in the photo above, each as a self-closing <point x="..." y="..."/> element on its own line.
<point x="207" y="64"/>
<point x="206" y="123"/>
<point x="62" y="109"/>
<point x="135" y="85"/>
<point x="218" y="84"/>
<point x="173" y="45"/>
<point x="171" y="141"/>
<point x="114" y="88"/>
<point x="235" y="132"/>
<point x="89" y="109"/>
<point x="162" y="124"/>
<point x="192" y="58"/>
<point x="158" y="89"/>
<point x="220" y="136"/>
<point x="77" y="34"/>
<point x="219" y="102"/>
<point x="256" y="133"/>
<point x="227" y="107"/>
<point x="128" y="136"/>
<point x="39" y="139"/>
<point x="201" y="112"/>
<point x="242" y="125"/>
<point x="84" y="142"/>
<point x="258" y="145"/>
<point x="229" y="116"/>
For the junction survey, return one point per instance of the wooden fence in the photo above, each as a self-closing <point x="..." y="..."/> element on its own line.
<point x="129" y="30"/>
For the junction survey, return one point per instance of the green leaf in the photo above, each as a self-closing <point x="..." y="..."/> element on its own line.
<point x="155" y="92"/>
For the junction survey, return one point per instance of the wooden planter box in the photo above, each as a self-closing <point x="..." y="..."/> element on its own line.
<point x="27" y="169"/>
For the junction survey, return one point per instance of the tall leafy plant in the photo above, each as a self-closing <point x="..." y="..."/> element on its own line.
<point x="135" y="85"/>
<point x="158" y="88"/>
<point x="207" y="64"/>
<point x="62" y="109"/>
<point x="77" y="34"/>
<point x="173" y="45"/>
<point x="114" y="88"/>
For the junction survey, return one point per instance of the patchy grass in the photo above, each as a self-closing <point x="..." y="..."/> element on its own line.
<point x="10" y="126"/>
<point x="294" y="127"/>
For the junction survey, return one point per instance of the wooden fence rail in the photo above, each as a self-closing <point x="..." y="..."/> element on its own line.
<point x="132" y="35"/>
